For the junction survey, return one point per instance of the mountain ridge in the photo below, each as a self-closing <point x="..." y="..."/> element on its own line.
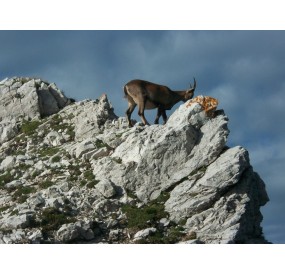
<point x="74" y="172"/>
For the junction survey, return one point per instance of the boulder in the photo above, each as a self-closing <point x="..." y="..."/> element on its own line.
<point x="144" y="233"/>
<point x="8" y="130"/>
<point x="106" y="188"/>
<point x="16" y="221"/>
<point x="7" y="163"/>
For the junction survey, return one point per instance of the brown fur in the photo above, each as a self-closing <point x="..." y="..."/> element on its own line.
<point x="148" y="95"/>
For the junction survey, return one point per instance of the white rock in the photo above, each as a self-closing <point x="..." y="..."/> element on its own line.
<point x="8" y="130"/>
<point x="68" y="232"/>
<point x="164" y="222"/>
<point x="19" y="221"/>
<point x="84" y="147"/>
<point x="220" y="175"/>
<point x="144" y="233"/>
<point x="106" y="188"/>
<point x="7" y="163"/>
<point x="102" y="152"/>
<point x="14" y="184"/>
<point x="36" y="237"/>
<point x="54" y="138"/>
<point x="29" y="98"/>
<point x="73" y="231"/>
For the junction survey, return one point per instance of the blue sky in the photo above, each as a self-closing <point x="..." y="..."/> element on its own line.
<point x="245" y="70"/>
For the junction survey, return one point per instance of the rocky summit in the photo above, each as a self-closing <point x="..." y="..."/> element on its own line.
<point x="74" y="172"/>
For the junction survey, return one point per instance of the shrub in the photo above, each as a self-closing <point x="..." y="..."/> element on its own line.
<point x="48" y="151"/>
<point x="21" y="194"/>
<point x="5" y="178"/>
<point x="45" y="184"/>
<point x="140" y="218"/>
<point x="29" y="127"/>
<point x="51" y="219"/>
<point x="56" y="159"/>
<point x="88" y="175"/>
<point x="92" y="183"/>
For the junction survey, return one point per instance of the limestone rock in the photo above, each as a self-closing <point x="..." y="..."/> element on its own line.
<point x="84" y="176"/>
<point x="144" y="233"/>
<point x="36" y="237"/>
<point x="219" y="176"/>
<point x="27" y="98"/>
<point x="74" y="231"/>
<point x="14" y="184"/>
<point x="7" y="163"/>
<point x="8" y="130"/>
<point x="18" y="221"/>
<point x="106" y="188"/>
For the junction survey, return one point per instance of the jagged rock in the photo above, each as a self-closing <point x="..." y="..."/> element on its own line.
<point x="7" y="163"/>
<point x="219" y="176"/>
<point x="15" y="183"/>
<point x="54" y="138"/>
<point x="36" y="200"/>
<point x="103" y="180"/>
<point x="103" y="152"/>
<point x="8" y="130"/>
<point x="74" y="231"/>
<point x="169" y="147"/>
<point x="91" y="117"/>
<point x="164" y="222"/>
<point x="144" y="233"/>
<point x="36" y="237"/>
<point x="106" y="188"/>
<point x="27" y="98"/>
<point x="68" y="232"/>
<point x="19" y="221"/>
<point x="84" y="147"/>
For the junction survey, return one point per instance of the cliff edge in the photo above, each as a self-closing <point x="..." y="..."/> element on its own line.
<point x="74" y="172"/>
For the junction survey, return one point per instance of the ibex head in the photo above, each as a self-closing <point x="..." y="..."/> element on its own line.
<point x="190" y="92"/>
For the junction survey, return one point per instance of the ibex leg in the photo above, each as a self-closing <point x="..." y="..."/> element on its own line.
<point x="141" y="111"/>
<point x="156" y="121"/>
<point x="132" y="106"/>
<point x="164" y="116"/>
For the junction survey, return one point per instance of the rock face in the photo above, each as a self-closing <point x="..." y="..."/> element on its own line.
<point x="26" y="98"/>
<point x="79" y="174"/>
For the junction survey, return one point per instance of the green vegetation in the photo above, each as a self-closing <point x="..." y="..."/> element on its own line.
<point x="3" y="208"/>
<point x="51" y="219"/>
<point x="92" y="183"/>
<point x="100" y="144"/>
<point x="56" y="159"/>
<point x="21" y="194"/>
<point x="118" y="160"/>
<point x="173" y="235"/>
<point x="48" y="151"/>
<point x="29" y="127"/>
<point x="23" y="166"/>
<point x="56" y="124"/>
<point x="45" y="184"/>
<point x="14" y="212"/>
<point x="74" y="172"/>
<point x="88" y="175"/>
<point x="89" y="179"/>
<point x="5" y="178"/>
<point x="150" y="214"/>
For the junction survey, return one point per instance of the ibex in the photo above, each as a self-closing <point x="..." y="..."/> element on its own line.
<point x="149" y="95"/>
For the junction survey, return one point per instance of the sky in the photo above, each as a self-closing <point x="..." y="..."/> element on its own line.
<point x="244" y="70"/>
